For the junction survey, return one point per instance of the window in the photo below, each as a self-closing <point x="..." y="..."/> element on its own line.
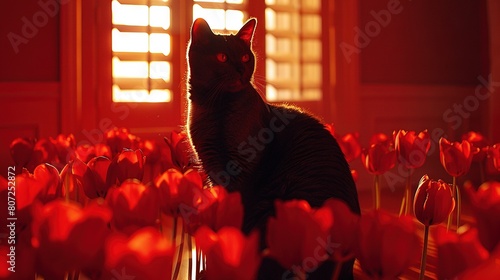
<point x="228" y="15"/>
<point x="141" y="43"/>
<point x="293" y="50"/>
<point x="141" y="51"/>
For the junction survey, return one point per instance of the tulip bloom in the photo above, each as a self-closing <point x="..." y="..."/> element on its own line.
<point x="477" y="141"/>
<point x="344" y="230"/>
<point x="486" y="206"/>
<point x="177" y="188"/>
<point x="433" y="201"/>
<point x="43" y="185"/>
<point x="146" y="254"/>
<point x="65" y="147"/>
<point x="388" y="244"/>
<point x="295" y="233"/>
<point x="67" y="236"/>
<point x="457" y="252"/>
<point x="494" y="154"/>
<point x="215" y="208"/>
<point x="94" y="177"/>
<point x="411" y="148"/>
<point x="128" y="164"/>
<point x="378" y="159"/>
<point x="455" y="157"/>
<point x="21" y="151"/>
<point x="120" y="138"/>
<point x="45" y="152"/>
<point x="134" y="206"/>
<point x="179" y="150"/>
<point x="349" y="144"/>
<point x="381" y="138"/>
<point x="230" y="254"/>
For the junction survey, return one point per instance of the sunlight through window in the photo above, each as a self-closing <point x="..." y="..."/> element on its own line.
<point x="141" y="46"/>
<point x="293" y="50"/>
<point x="221" y="15"/>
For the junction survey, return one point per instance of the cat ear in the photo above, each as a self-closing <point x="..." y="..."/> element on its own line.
<point x="200" y="31"/>
<point x="246" y="32"/>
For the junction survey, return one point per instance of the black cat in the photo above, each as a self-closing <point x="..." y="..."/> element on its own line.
<point x="264" y="151"/>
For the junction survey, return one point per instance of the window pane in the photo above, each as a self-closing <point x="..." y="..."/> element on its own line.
<point x="129" y="41"/>
<point x="160" y="70"/>
<point x="234" y="19"/>
<point x="135" y="15"/>
<point x="140" y="95"/>
<point x="160" y="43"/>
<point x="214" y="17"/>
<point x="160" y="16"/>
<point x="213" y="1"/>
<point x="129" y="69"/>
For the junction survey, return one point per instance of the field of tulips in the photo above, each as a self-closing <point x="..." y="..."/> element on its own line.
<point x="131" y="208"/>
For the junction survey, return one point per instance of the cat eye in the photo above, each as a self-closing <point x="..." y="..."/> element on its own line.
<point x="221" y="57"/>
<point x="245" y="58"/>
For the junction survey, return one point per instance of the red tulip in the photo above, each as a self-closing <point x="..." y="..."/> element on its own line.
<point x="378" y="159"/>
<point x="230" y="254"/>
<point x="176" y="188"/>
<point x="103" y="150"/>
<point x="85" y="152"/>
<point x="388" y="245"/>
<point x="151" y="150"/>
<point x="411" y="148"/>
<point x="344" y="231"/>
<point x="477" y="141"/>
<point x="486" y="206"/>
<point x="43" y="185"/>
<point x="455" y="157"/>
<point x="134" y="206"/>
<point x="457" y="252"/>
<point x="494" y="155"/>
<point x="128" y="164"/>
<point x="21" y="150"/>
<point x="67" y="236"/>
<point x="433" y="201"/>
<point x="65" y="147"/>
<point x="144" y="255"/>
<point x="381" y="138"/>
<point x="72" y="181"/>
<point x="118" y="139"/>
<point x="350" y="146"/>
<point x="94" y="177"/>
<point x="45" y="151"/>
<point x="296" y="234"/>
<point x="180" y="150"/>
<point x="215" y="208"/>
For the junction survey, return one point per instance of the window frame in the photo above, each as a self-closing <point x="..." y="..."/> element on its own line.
<point x="93" y="65"/>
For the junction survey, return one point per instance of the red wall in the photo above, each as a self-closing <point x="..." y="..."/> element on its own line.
<point x="425" y="42"/>
<point x="34" y="29"/>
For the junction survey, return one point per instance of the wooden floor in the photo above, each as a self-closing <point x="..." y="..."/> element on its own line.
<point x="391" y="201"/>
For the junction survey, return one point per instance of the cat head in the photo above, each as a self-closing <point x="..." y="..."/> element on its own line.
<point x="220" y="63"/>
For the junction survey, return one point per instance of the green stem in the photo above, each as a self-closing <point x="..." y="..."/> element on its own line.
<point x="190" y="261"/>
<point x="424" y="253"/>
<point x="459" y="206"/>
<point x="402" y="207"/>
<point x="175" y="275"/>
<point x="376" y="192"/>
<point x="448" y="224"/>
<point x="408" y="194"/>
